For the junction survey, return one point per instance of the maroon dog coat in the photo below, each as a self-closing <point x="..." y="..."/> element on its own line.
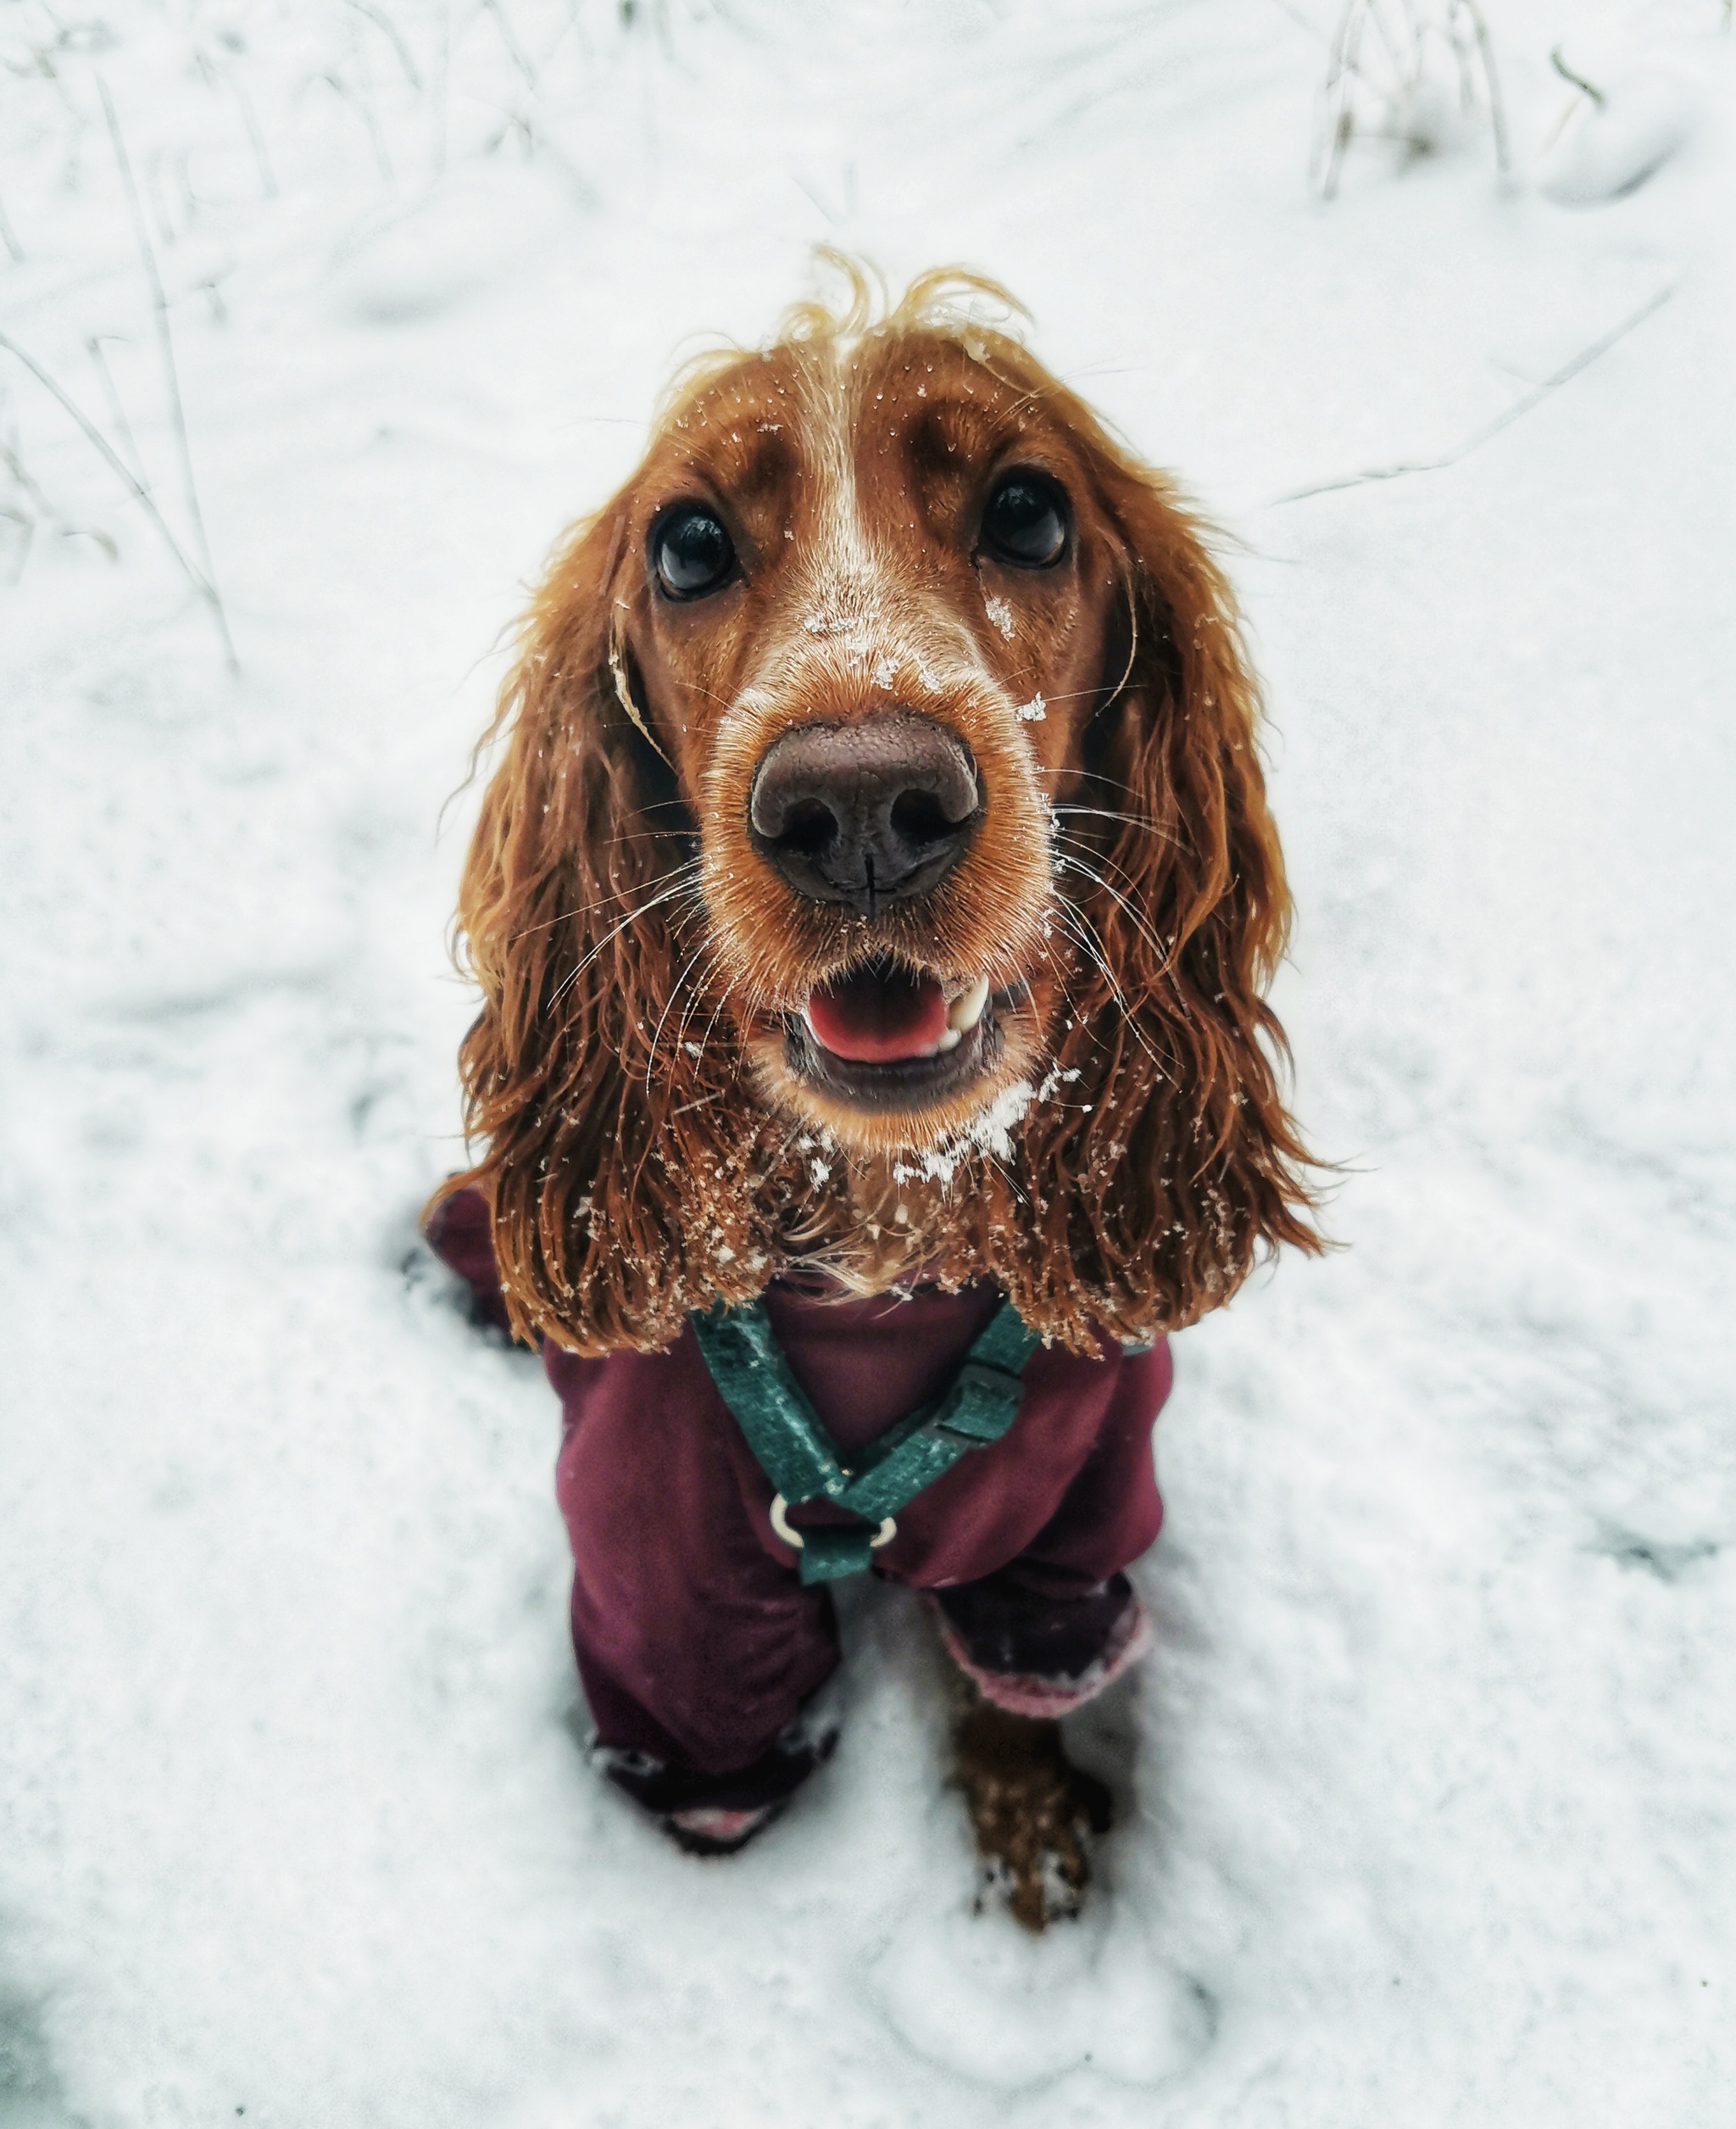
<point x="698" y="1646"/>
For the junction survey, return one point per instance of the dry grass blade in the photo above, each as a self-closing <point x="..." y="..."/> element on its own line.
<point x="140" y="492"/>
<point x="1383" y="79"/>
<point x="46" y="513"/>
<point x="1490" y="428"/>
<point x="205" y="578"/>
<point x="1521" y="406"/>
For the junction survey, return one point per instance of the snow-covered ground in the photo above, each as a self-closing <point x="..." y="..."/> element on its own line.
<point x="1434" y="1811"/>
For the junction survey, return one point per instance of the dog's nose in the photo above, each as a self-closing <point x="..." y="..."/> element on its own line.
<point x="864" y="814"/>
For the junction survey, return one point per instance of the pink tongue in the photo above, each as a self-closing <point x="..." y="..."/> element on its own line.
<point x="878" y="1018"/>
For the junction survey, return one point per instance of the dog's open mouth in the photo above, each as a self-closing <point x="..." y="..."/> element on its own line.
<point x="885" y="1036"/>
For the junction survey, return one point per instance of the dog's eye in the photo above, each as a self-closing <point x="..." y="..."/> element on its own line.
<point x="691" y="552"/>
<point x="1026" y="521"/>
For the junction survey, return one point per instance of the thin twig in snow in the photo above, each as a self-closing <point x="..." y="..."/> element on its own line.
<point x="515" y="51"/>
<point x="45" y="511"/>
<point x="249" y="119"/>
<point x="116" y="408"/>
<point x="1559" y="63"/>
<point x="1523" y="405"/>
<point x="443" y="85"/>
<point x="389" y="30"/>
<point x="1295" y="14"/>
<point x="1384" y="97"/>
<point x="27" y="533"/>
<point x="1497" y="106"/>
<point x="171" y="379"/>
<point x="140" y="492"/>
<point x="364" y="111"/>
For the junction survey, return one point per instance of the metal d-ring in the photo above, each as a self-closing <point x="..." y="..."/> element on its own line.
<point x="780" y="1523"/>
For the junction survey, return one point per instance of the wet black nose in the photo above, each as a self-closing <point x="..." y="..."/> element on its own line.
<point x="864" y="814"/>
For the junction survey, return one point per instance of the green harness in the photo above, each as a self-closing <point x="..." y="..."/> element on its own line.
<point x="803" y="1462"/>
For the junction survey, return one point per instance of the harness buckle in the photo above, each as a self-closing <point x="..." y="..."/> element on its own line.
<point x="780" y="1523"/>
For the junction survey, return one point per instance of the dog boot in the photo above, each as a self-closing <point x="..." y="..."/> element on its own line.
<point x="718" y="1813"/>
<point x="460" y="1231"/>
<point x="713" y="1829"/>
<point x="1038" y="1655"/>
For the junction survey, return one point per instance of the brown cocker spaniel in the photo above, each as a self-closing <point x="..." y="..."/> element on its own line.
<point x="876" y="886"/>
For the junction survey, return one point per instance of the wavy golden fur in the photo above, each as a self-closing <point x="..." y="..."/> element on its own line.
<point x="646" y="1148"/>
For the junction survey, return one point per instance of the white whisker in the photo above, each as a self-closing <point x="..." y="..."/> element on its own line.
<point x="632" y="917"/>
<point x="705" y="948"/>
<point x="1135" y="918"/>
<point x="1132" y="820"/>
<point x="584" y="909"/>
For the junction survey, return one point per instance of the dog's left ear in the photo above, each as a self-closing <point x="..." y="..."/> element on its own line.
<point x="1164" y="1160"/>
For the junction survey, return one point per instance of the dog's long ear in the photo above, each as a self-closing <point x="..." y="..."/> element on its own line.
<point x="1164" y="1160"/>
<point x="580" y="888"/>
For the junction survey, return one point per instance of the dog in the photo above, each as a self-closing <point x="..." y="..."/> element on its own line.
<point x="873" y="907"/>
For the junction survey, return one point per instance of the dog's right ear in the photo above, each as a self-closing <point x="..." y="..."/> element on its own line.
<point x="579" y="885"/>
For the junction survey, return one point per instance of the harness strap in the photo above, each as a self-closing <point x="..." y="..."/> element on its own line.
<point x="803" y="1464"/>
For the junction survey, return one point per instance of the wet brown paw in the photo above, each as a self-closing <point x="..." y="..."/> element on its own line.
<point x="1031" y="1808"/>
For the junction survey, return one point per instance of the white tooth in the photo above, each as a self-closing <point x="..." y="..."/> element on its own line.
<point x="949" y="1040"/>
<point x="966" y="1009"/>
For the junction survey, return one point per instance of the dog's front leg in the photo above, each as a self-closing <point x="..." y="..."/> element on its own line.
<point x="1031" y="1808"/>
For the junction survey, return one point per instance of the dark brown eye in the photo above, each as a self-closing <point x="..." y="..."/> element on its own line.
<point x="690" y="551"/>
<point x="1025" y="521"/>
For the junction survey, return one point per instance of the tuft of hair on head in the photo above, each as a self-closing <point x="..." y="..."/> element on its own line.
<point x="957" y="302"/>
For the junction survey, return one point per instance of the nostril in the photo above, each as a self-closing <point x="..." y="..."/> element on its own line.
<point x="808" y="826"/>
<point x="920" y="818"/>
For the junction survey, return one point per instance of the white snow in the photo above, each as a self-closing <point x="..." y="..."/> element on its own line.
<point x="1432" y="1819"/>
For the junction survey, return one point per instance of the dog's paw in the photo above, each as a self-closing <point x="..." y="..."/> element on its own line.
<point x="1032" y="1810"/>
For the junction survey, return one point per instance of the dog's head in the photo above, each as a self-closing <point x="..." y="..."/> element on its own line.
<point x="880" y="865"/>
